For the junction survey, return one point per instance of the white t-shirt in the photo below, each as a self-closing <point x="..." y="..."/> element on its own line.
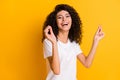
<point x="67" y="54"/>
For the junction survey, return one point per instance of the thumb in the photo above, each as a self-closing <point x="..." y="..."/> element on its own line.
<point x="99" y="29"/>
<point x="51" y="31"/>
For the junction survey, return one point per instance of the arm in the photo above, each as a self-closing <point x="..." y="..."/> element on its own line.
<point x="54" y="59"/>
<point x="87" y="61"/>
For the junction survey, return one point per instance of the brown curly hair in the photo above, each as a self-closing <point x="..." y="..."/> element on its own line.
<point x="75" y="32"/>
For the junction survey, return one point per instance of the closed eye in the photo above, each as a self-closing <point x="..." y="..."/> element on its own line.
<point x="59" y="17"/>
<point x="67" y="15"/>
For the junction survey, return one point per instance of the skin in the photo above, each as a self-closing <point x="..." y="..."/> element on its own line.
<point x="63" y="17"/>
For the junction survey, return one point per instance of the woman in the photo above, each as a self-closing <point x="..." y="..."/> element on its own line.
<point x="62" y="33"/>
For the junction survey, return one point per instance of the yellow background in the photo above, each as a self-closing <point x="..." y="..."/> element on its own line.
<point x="21" y="56"/>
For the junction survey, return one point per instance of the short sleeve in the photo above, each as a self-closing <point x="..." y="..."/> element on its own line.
<point x="47" y="48"/>
<point x="77" y="49"/>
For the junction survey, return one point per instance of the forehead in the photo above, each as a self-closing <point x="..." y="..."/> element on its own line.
<point x="62" y="12"/>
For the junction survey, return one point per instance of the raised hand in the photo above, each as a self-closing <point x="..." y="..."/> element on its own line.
<point x="49" y="34"/>
<point x="99" y="34"/>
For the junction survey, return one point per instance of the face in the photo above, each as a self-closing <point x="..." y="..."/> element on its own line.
<point x="64" y="20"/>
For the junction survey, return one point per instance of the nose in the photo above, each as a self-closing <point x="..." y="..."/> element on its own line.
<point x="64" y="18"/>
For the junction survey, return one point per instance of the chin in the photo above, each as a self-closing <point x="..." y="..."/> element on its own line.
<point x="66" y="29"/>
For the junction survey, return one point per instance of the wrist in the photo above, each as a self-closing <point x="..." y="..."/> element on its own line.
<point x="95" y="42"/>
<point x="54" y="42"/>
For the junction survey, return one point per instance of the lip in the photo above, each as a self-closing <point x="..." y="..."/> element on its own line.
<point x="64" y="24"/>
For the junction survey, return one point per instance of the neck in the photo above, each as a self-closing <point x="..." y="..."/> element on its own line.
<point x="63" y="36"/>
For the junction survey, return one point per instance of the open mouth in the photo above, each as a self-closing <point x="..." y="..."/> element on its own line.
<point x="66" y="24"/>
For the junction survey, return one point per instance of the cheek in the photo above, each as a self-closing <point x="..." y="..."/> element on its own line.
<point x="70" y="20"/>
<point x="58" y="22"/>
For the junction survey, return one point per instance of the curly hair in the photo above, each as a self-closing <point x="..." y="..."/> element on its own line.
<point x="75" y="32"/>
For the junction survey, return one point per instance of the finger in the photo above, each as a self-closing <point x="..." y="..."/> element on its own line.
<point x="99" y="29"/>
<point x="51" y="31"/>
<point x="47" y="29"/>
<point x="103" y="34"/>
<point x="45" y="34"/>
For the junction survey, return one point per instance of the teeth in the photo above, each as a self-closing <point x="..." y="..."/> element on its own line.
<point x="65" y="24"/>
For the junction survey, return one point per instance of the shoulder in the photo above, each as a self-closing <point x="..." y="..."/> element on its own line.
<point x="74" y="43"/>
